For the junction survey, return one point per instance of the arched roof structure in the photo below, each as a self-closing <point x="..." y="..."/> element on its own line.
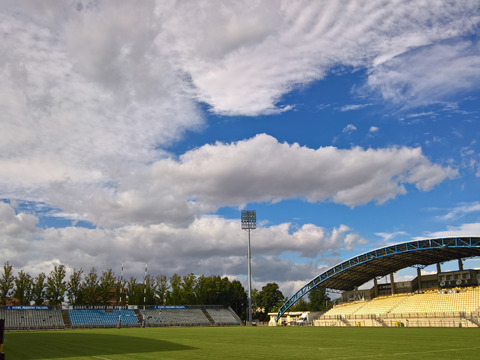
<point x="380" y="262"/>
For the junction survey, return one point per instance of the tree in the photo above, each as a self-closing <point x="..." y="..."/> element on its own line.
<point x="75" y="288"/>
<point x="174" y="297"/>
<point x="134" y="292"/>
<point x="91" y="287"/>
<point x="300" y="305"/>
<point x="23" y="288"/>
<point x="106" y="287"/>
<point x="120" y="295"/>
<point x="150" y="289"/>
<point x="238" y="301"/>
<point x="161" y="289"/>
<point x="56" y="285"/>
<point x="270" y="298"/>
<point x="38" y="289"/>
<point x="6" y="283"/>
<point x="188" y="289"/>
<point x="319" y="299"/>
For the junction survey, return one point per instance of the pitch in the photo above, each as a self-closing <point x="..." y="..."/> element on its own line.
<point x="244" y="343"/>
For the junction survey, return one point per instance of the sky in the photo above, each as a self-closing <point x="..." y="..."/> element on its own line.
<point x="135" y="133"/>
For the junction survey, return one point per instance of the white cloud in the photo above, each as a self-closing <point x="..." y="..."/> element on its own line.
<point x="374" y="129"/>
<point x="471" y="229"/>
<point x="86" y="99"/>
<point x="242" y="57"/>
<point x="210" y="245"/>
<point x="349" y="129"/>
<point x="255" y="170"/>
<point x="461" y="210"/>
<point x="389" y="236"/>
<point x="428" y="75"/>
<point x="353" y="107"/>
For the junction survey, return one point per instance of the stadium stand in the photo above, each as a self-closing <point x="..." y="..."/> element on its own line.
<point x="434" y="307"/>
<point x="175" y="317"/>
<point x="223" y="317"/>
<point x="80" y="318"/>
<point x="19" y="318"/>
<point x="43" y="317"/>
<point x="450" y="298"/>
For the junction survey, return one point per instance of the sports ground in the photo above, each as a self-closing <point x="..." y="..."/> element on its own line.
<point x="245" y="343"/>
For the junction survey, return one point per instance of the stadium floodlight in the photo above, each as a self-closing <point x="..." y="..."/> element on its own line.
<point x="249" y="220"/>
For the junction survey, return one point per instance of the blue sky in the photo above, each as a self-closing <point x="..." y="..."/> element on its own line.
<point x="135" y="133"/>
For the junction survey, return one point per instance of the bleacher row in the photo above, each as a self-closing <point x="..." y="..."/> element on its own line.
<point x="454" y="306"/>
<point x="94" y="318"/>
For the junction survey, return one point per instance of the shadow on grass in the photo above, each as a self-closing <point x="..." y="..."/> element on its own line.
<point x="64" y="345"/>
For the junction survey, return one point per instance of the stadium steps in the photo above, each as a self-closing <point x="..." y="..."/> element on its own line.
<point x="345" y="321"/>
<point x="139" y="316"/>
<point x="66" y="319"/>
<point x="235" y="315"/>
<point x="207" y="315"/>
<point x="405" y="299"/>
<point x="471" y="319"/>
<point x="381" y="321"/>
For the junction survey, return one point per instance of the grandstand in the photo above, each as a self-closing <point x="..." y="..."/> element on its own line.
<point x="46" y="317"/>
<point x="444" y="299"/>
<point x="31" y="318"/>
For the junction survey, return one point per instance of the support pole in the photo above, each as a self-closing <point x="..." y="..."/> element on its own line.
<point x="249" y="281"/>
<point x="392" y="284"/>
<point x="419" y="278"/>
<point x="249" y="223"/>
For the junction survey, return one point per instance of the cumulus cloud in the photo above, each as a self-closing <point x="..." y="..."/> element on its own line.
<point x="86" y="99"/>
<point x="210" y="245"/>
<point x="260" y="169"/>
<point x="93" y="92"/>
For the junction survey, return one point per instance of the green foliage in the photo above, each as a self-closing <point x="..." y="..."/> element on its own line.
<point x="38" y="289"/>
<point x="106" y="287"/>
<point x="319" y="300"/>
<point x="56" y="285"/>
<point x="6" y="283"/>
<point x="75" y="288"/>
<point x="23" y="288"/>
<point x="90" y="287"/>
<point x="269" y="299"/>
<point x="161" y="289"/>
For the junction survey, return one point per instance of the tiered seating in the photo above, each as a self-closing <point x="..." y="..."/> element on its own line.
<point x="33" y="319"/>
<point x="222" y="317"/>
<point x="457" y="300"/>
<point x="98" y="317"/>
<point x="175" y="317"/>
<point x="381" y="305"/>
<point x="346" y="308"/>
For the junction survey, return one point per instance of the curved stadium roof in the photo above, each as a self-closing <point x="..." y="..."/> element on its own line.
<point x="380" y="262"/>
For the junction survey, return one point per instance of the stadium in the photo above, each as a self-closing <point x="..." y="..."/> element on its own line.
<point x="444" y="299"/>
<point x="447" y="299"/>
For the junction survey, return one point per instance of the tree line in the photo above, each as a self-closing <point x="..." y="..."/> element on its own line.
<point x="92" y="288"/>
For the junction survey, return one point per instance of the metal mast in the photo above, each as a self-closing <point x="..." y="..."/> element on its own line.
<point x="249" y="219"/>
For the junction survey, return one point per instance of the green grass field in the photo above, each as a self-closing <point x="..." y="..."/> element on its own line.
<point x="245" y="343"/>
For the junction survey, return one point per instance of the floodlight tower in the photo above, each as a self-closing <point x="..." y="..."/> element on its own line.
<point x="249" y="220"/>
